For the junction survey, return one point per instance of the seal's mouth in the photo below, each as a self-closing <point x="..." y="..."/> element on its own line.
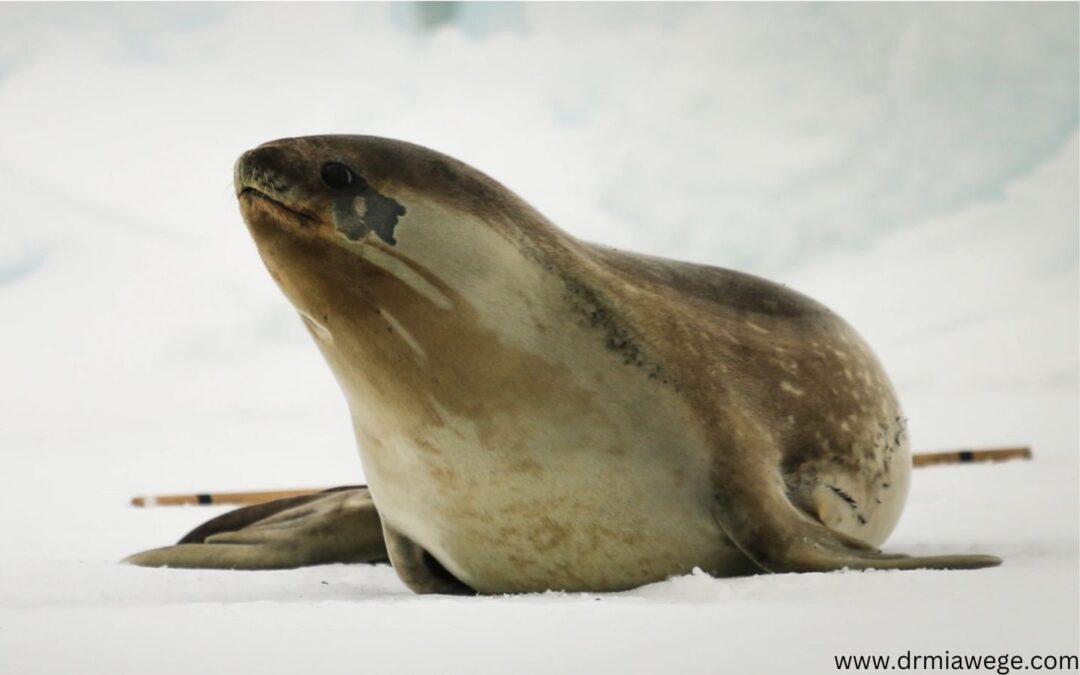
<point x="306" y="219"/>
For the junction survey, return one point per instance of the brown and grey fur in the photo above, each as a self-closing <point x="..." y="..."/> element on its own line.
<point x="536" y="412"/>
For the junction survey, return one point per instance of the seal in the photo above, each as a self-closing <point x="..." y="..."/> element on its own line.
<point x="536" y="412"/>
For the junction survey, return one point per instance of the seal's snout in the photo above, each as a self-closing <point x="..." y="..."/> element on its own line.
<point x="274" y="181"/>
<point x="265" y="169"/>
<point x="239" y="171"/>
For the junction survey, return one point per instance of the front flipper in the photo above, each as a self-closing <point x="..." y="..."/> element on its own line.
<point x="418" y="569"/>
<point x="336" y="526"/>
<point x="755" y="512"/>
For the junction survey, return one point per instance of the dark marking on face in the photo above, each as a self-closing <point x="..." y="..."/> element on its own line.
<point x="380" y="213"/>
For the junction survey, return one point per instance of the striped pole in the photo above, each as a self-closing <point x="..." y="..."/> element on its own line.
<point x="206" y="498"/>
<point x="921" y="459"/>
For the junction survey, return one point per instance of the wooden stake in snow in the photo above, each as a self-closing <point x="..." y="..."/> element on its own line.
<point x="919" y="459"/>
<point x="205" y="498"/>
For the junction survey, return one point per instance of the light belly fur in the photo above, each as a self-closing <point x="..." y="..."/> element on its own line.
<point x="543" y="516"/>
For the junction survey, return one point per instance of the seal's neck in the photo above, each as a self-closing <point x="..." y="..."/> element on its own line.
<point x="416" y="327"/>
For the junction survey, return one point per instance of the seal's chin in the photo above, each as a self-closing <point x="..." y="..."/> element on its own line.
<point x="253" y="202"/>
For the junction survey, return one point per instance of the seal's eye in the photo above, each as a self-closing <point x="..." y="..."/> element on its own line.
<point x="337" y="175"/>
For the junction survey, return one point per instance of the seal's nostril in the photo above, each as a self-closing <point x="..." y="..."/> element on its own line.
<point x="337" y="176"/>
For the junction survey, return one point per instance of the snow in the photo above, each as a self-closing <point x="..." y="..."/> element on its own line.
<point x="915" y="167"/>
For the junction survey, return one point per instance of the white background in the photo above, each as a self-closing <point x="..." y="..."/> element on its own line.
<point x="912" y="166"/>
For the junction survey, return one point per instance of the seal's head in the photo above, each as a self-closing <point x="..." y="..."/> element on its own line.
<point x="386" y="247"/>
<point x="356" y="186"/>
<point x="339" y="184"/>
<point x="318" y="204"/>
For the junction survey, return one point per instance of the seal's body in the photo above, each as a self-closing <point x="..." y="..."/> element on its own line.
<point x="535" y="412"/>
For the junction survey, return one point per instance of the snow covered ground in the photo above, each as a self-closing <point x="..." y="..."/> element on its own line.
<point x="914" y="167"/>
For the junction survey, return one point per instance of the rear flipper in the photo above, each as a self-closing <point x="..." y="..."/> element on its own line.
<point x="778" y="537"/>
<point x="810" y="547"/>
<point x="336" y="526"/>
